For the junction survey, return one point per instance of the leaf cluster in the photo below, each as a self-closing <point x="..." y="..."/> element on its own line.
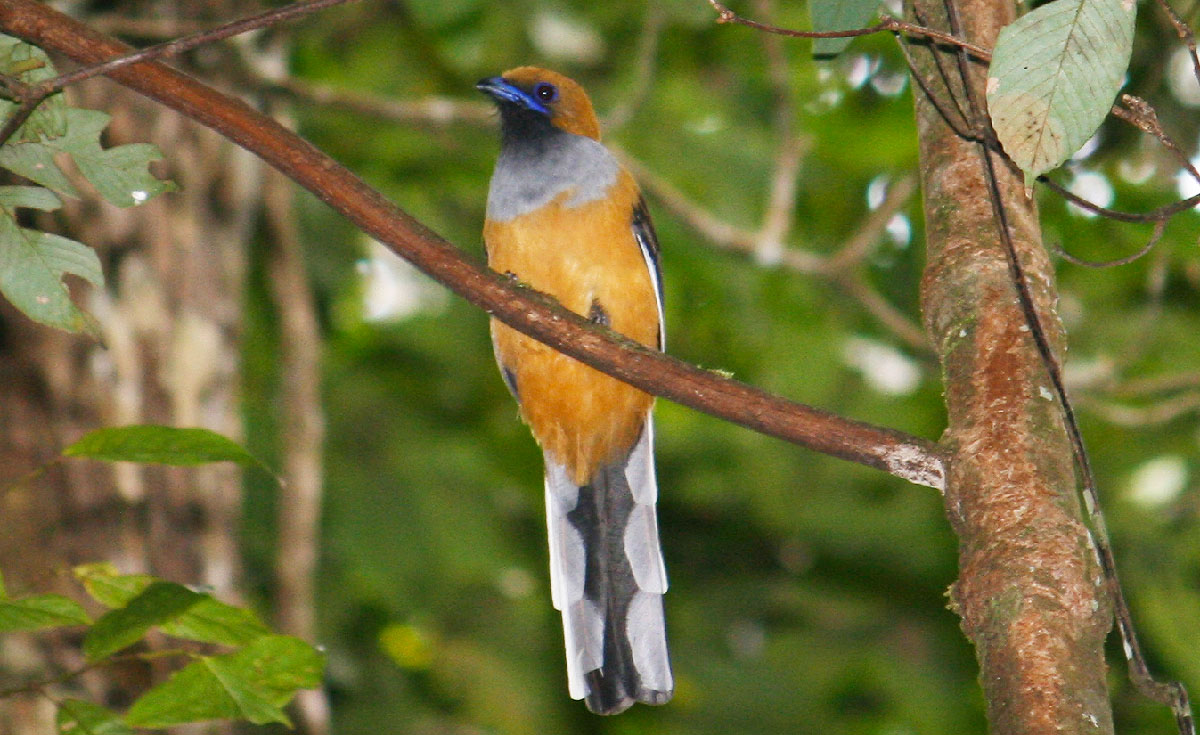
<point x="33" y="262"/>
<point x="251" y="676"/>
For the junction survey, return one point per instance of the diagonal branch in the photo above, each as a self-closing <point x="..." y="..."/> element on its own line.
<point x="900" y="454"/>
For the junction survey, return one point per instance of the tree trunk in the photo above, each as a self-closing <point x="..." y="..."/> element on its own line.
<point x="170" y="319"/>
<point x="1030" y="592"/>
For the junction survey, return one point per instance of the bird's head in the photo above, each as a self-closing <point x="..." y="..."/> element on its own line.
<point x="529" y="95"/>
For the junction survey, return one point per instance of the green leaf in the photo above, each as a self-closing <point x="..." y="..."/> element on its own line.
<point x="208" y="621"/>
<point x="1054" y="74"/>
<point x="32" y="263"/>
<point x="41" y="611"/>
<point x="35" y="161"/>
<point x="31" y="65"/>
<point x="118" y="173"/>
<point x="108" y="586"/>
<point x="160" y="445"/>
<point x="251" y="684"/>
<point x="79" y="717"/>
<point x="159" y="603"/>
<point x="213" y="621"/>
<point x="28" y="197"/>
<point x="838" y="15"/>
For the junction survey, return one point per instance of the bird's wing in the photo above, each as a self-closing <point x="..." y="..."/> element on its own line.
<point x="643" y="232"/>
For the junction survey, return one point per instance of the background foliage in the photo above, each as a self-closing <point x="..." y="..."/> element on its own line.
<point x="807" y="594"/>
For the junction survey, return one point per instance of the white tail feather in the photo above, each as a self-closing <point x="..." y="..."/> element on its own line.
<point x="613" y="624"/>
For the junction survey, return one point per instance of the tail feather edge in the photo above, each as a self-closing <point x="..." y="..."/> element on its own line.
<point x="608" y="578"/>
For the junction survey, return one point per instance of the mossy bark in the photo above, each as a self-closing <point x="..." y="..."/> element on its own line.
<point x="1030" y="592"/>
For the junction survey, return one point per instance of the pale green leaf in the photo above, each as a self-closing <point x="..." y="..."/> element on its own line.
<point x="35" y="161"/>
<point x="108" y="586"/>
<point x="251" y="684"/>
<point x="1053" y="77"/>
<point x="80" y="717"/>
<point x="209" y="620"/>
<point x="159" y="445"/>
<point x="838" y="15"/>
<point x="31" y="65"/>
<point x="159" y="603"/>
<point x="213" y="621"/>
<point x="32" y="263"/>
<point x="41" y="611"/>
<point x="28" y="197"/>
<point x="118" y="173"/>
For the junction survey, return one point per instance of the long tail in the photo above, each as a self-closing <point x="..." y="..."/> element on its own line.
<point x="607" y="577"/>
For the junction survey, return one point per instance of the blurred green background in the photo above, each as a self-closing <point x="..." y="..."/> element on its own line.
<point x="807" y="594"/>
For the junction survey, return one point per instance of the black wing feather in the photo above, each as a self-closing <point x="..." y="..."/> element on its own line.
<point x="643" y="232"/>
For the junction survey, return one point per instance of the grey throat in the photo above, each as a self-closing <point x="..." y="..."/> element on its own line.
<point x="530" y="174"/>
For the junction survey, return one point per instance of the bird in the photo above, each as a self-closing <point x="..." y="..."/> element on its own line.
<point x="566" y="218"/>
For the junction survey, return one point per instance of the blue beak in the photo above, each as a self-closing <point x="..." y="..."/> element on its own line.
<point x="502" y="90"/>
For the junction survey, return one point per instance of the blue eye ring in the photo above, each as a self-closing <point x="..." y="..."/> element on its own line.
<point x="545" y="92"/>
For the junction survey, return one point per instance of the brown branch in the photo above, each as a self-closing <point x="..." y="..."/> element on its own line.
<point x="1141" y="416"/>
<point x="858" y="246"/>
<point x="836" y="268"/>
<point x="912" y="458"/>
<point x="433" y="110"/>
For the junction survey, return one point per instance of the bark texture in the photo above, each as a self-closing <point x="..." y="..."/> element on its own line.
<point x="170" y="319"/>
<point x="1030" y="592"/>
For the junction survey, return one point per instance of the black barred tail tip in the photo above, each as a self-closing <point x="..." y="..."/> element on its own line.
<point x="608" y="578"/>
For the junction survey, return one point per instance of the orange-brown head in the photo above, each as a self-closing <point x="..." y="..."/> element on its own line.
<point x="529" y="93"/>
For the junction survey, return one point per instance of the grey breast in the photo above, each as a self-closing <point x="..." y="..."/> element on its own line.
<point x="530" y="174"/>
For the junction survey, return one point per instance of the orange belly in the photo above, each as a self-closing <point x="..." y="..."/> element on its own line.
<point x="582" y="256"/>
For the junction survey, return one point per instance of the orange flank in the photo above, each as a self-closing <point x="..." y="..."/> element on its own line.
<point x="587" y="258"/>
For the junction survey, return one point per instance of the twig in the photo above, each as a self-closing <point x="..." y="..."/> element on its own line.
<point x="725" y="236"/>
<point x="19" y="116"/>
<point x="30" y="476"/>
<point x="858" y="246"/>
<point x="969" y="124"/>
<point x="781" y="199"/>
<point x="1134" y="417"/>
<point x="915" y="459"/>
<point x="713" y="229"/>
<point x="880" y="308"/>
<point x="1154" y="215"/>
<point x="33" y="95"/>
<point x="646" y="58"/>
<point x="436" y="110"/>
<point x="1158" y="384"/>
<point x="887" y="24"/>
<point x="1185" y="34"/>
<point x="200" y="38"/>
<point x="1159" y="227"/>
<point x="1141" y="115"/>
<point x="958" y="123"/>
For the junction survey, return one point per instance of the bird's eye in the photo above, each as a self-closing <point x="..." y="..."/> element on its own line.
<point x="545" y="92"/>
